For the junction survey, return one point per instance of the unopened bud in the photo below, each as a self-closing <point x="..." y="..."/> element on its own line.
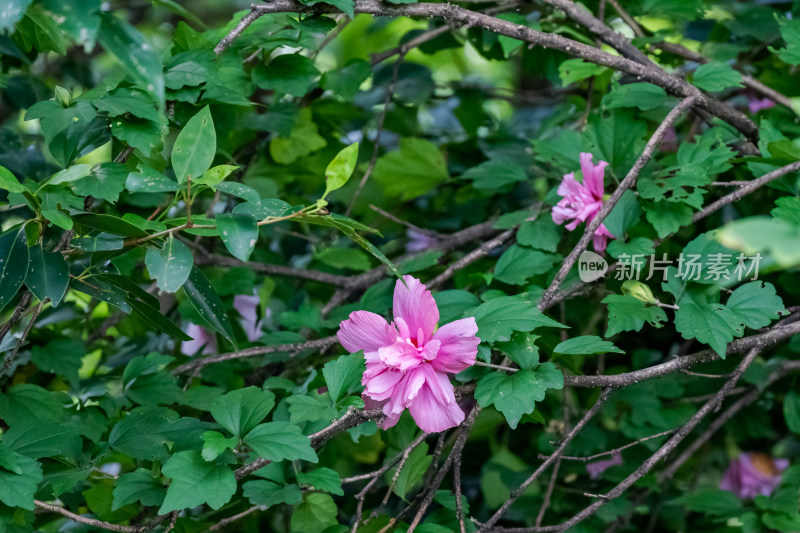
<point x="63" y="96"/>
<point x="638" y="290"/>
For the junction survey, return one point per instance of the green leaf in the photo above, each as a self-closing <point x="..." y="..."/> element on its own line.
<point x="339" y="257"/>
<point x="788" y="209"/>
<point x="716" y="76"/>
<point x="206" y="302"/>
<point x="572" y="70"/>
<point x="195" y="146"/>
<point x="711" y="501"/>
<point x="157" y="320"/>
<point x="214" y="443"/>
<point x="668" y="217"/>
<point x="416" y="168"/>
<point x="13" y="263"/>
<point x="790" y="31"/>
<point x="521" y="349"/>
<point x="105" y="182"/>
<point x="291" y="74"/>
<point x="499" y="317"/>
<point x="626" y="313"/>
<point x="195" y="482"/>
<point x="309" y="409"/>
<point x="9" y="182"/>
<point x="323" y="479"/>
<point x="518" y="263"/>
<point x="239" y="233"/>
<point x="18" y="487"/>
<point x="586" y="345"/>
<point x="303" y="140"/>
<point x="108" y="224"/>
<point x="712" y="324"/>
<point x="12" y="12"/>
<point x="758" y="234"/>
<point x="342" y="373"/>
<point x="143" y="433"/>
<point x="340" y="169"/>
<point x="61" y="356"/>
<point x="791" y="411"/>
<point x="170" y="265"/>
<point x="516" y="394"/>
<point x="55" y="118"/>
<point x="241" y="410"/>
<point x="412" y="472"/>
<point x="755" y="304"/>
<point x="9" y="461"/>
<point x="138" y="486"/>
<point x="38" y="438"/>
<point x="122" y="101"/>
<point x="277" y="441"/>
<point x="616" y="136"/>
<point x="644" y="96"/>
<point x="624" y="216"/>
<point x="315" y="513"/>
<point x="31" y="402"/>
<point x="136" y="55"/>
<point x="268" y="493"/>
<point x="495" y="173"/>
<point x="346" y="81"/>
<point x="216" y="174"/>
<point x="48" y="275"/>
<point x="542" y="234"/>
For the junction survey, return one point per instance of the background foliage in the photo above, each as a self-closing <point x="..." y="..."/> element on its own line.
<point x="162" y="161"/>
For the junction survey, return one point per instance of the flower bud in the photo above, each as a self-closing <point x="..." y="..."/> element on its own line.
<point x="63" y="96"/>
<point x="638" y="290"/>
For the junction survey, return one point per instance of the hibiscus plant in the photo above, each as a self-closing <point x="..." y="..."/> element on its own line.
<point x="392" y="266"/>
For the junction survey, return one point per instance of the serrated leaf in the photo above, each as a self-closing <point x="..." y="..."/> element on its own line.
<point x="9" y="181"/>
<point x="499" y="317"/>
<point x="755" y="304"/>
<point x="17" y="489"/>
<point x="138" y="486"/>
<point x="626" y="313"/>
<point x="519" y="263"/>
<point x="516" y="394"/>
<point x="315" y="513"/>
<point x="342" y="373"/>
<point x="241" y="410"/>
<point x="214" y="443"/>
<point x="323" y="479"/>
<point x="195" y="482"/>
<point x="712" y="324"/>
<point x="277" y="441"/>
<point x="269" y="493"/>
<point x="586" y="345"/>
<point x="716" y="76"/>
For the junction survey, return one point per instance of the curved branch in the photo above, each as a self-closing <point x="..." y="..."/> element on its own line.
<point x="465" y="17"/>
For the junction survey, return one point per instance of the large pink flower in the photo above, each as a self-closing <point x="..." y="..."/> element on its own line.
<point x="408" y="361"/>
<point x="582" y="201"/>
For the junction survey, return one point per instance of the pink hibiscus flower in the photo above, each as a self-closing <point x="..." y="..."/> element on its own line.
<point x="408" y="361"/>
<point x="755" y="104"/>
<point x="582" y="201"/>
<point x="752" y="474"/>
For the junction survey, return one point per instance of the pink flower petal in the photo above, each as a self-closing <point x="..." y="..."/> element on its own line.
<point x="247" y="307"/>
<point x="433" y="416"/>
<point x="365" y="331"/>
<point x="405" y="391"/>
<point x="401" y="356"/>
<point x="382" y="386"/>
<point x="593" y="175"/>
<point x="202" y="338"/>
<point x="459" y="346"/>
<point x="415" y="305"/>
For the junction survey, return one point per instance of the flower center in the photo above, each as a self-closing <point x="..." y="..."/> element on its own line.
<point x="405" y="355"/>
